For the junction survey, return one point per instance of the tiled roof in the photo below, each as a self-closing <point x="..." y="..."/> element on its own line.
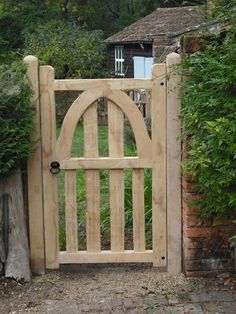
<point x="161" y="22"/>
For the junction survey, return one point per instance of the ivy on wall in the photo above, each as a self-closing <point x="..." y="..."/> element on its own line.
<point x="209" y="119"/>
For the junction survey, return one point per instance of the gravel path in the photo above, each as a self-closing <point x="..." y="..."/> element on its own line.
<point x="117" y="289"/>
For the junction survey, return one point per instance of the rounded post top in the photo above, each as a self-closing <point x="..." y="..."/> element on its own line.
<point x="30" y="59"/>
<point x="173" y="58"/>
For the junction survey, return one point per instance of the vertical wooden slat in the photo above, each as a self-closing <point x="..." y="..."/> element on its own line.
<point x="138" y="210"/>
<point x="34" y="175"/>
<point x="71" y="211"/>
<point x="92" y="181"/>
<point x="116" y="144"/>
<point x="173" y="165"/>
<point x="48" y="132"/>
<point x="159" y="164"/>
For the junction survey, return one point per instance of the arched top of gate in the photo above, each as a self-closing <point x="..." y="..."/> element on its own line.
<point x="86" y="99"/>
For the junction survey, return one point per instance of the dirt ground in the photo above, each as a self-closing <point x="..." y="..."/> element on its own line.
<point x="118" y="289"/>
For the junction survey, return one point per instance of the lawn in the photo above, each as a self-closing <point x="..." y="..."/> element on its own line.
<point x="77" y="151"/>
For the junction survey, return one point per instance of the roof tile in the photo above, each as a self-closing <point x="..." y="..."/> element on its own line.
<point x="161" y="22"/>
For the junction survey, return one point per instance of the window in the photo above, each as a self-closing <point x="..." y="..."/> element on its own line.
<point x="143" y="67"/>
<point x="119" y="60"/>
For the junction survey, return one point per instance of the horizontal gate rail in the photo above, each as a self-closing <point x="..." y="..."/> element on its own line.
<point x="84" y="84"/>
<point x="106" y="257"/>
<point x="105" y="163"/>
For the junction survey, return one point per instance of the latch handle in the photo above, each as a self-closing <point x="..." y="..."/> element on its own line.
<point x="55" y="167"/>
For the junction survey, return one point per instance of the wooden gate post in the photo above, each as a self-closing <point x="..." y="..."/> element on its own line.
<point x="48" y="132"/>
<point x="158" y="113"/>
<point x="174" y="222"/>
<point x="34" y="172"/>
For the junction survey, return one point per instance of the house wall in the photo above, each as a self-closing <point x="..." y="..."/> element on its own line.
<point x="130" y="50"/>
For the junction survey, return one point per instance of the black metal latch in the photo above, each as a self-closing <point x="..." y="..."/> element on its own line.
<point x="55" y="167"/>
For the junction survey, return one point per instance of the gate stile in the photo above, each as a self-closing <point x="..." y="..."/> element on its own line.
<point x="151" y="153"/>
<point x="48" y="139"/>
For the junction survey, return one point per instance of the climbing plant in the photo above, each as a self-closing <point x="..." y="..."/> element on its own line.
<point x="209" y="118"/>
<point x="16" y="113"/>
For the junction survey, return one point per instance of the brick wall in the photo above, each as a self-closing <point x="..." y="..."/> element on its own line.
<point x="162" y="47"/>
<point x="206" y="244"/>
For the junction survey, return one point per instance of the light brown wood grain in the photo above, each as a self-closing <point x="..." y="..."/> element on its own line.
<point x="116" y="149"/>
<point x="106" y="257"/>
<point x="106" y="162"/>
<point x="71" y="211"/>
<point x="48" y="136"/>
<point x="92" y="181"/>
<point x="173" y="165"/>
<point x="86" y="99"/>
<point x="84" y="84"/>
<point x="151" y="153"/>
<point x="138" y="210"/>
<point x="159" y="165"/>
<point x="34" y="177"/>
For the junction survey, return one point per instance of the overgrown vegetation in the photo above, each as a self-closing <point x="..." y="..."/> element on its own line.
<point x="209" y="117"/>
<point x="16" y="113"/>
<point x="73" y="51"/>
<point x="108" y="16"/>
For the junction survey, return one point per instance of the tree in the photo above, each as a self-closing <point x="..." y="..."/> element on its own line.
<point x="109" y="16"/>
<point x="99" y="14"/>
<point x="72" y="50"/>
<point x="18" y="17"/>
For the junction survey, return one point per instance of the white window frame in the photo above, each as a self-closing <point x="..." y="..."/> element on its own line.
<point x="119" y="60"/>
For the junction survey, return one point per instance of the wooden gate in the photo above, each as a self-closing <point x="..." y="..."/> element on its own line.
<point x="152" y="153"/>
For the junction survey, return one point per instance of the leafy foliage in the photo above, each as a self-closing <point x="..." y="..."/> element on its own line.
<point x="225" y="11"/>
<point x="15" y="18"/>
<point x="108" y="16"/>
<point x="209" y="118"/>
<point x="73" y="51"/>
<point x="16" y="115"/>
<point x="98" y="14"/>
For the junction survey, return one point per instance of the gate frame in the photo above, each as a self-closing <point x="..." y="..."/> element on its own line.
<point x="37" y="165"/>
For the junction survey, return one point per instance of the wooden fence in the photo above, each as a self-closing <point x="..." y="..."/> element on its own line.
<point x="161" y="153"/>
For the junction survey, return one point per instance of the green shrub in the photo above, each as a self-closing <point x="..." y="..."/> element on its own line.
<point x="209" y="119"/>
<point x="73" y="51"/>
<point x="16" y="113"/>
